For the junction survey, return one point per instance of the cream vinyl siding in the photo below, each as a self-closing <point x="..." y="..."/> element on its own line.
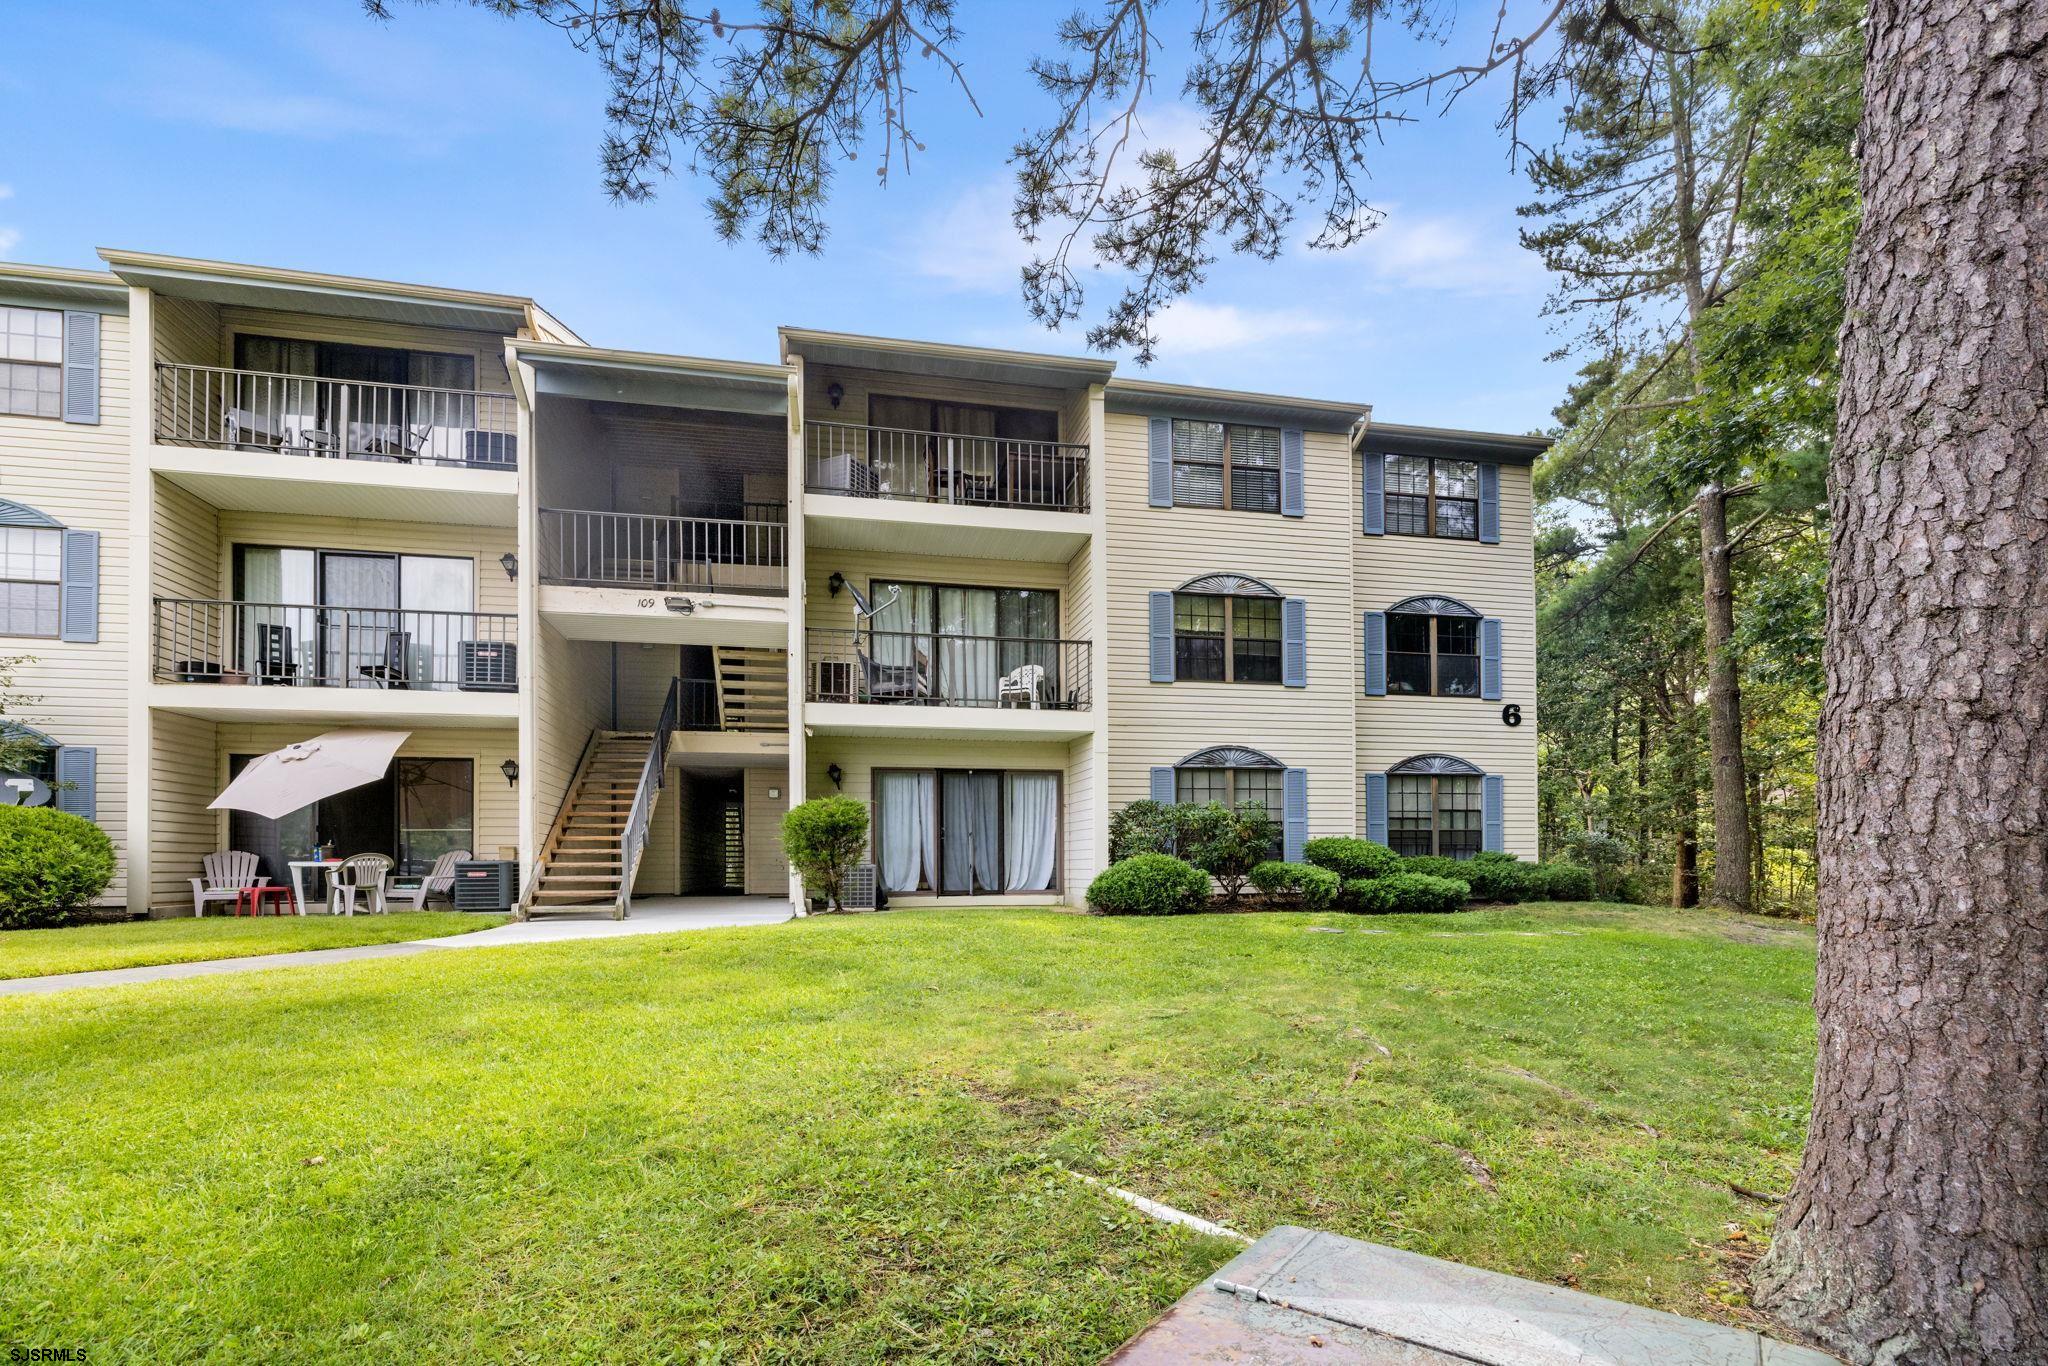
<point x="77" y="473"/>
<point x="1158" y="549"/>
<point x="660" y="870"/>
<point x="487" y="348"/>
<point x="189" y="761"/>
<point x="1078" y="852"/>
<point x="643" y="674"/>
<point x="863" y="567"/>
<point x="188" y="331"/>
<point x="186" y="532"/>
<point x="1495" y="581"/>
<point x="767" y="872"/>
<point x="182" y="832"/>
<point x="572" y="686"/>
<point x="860" y="756"/>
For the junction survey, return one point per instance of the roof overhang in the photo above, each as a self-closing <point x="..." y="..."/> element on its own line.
<point x="1499" y="447"/>
<point x="595" y="373"/>
<point x="975" y="364"/>
<point x="61" y="285"/>
<point x="300" y="291"/>
<point x="1151" y="398"/>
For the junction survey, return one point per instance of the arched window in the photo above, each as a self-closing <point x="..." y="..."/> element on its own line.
<point x="1435" y="806"/>
<point x="1432" y="648"/>
<point x="1226" y="629"/>
<point x="31" y="571"/>
<point x="1232" y="775"/>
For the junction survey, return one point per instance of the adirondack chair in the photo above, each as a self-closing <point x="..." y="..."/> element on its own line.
<point x="360" y="873"/>
<point x="228" y="874"/>
<point x="439" y="881"/>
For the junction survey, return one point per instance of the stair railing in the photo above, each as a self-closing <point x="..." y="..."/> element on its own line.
<point x="653" y="775"/>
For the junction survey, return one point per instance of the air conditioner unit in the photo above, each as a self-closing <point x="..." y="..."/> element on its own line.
<point x="858" y="887"/>
<point x="489" y="666"/>
<point x="486" y="885"/>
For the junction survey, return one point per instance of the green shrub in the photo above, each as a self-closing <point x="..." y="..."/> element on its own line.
<point x="822" y="838"/>
<point x="1143" y="827"/>
<point x="1499" y="877"/>
<point x="1351" y="858"/>
<point x="1366" y="896"/>
<point x="1227" y="842"/>
<point x="1562" y="882"/>
<point x="1607" y="858"/>
<point x="1433" y="865"/>
<point x="52" y="865"/>
<point x="1421" y="894"/>
<point x="1149" y="884"/>
<point x="1299" y="884"/>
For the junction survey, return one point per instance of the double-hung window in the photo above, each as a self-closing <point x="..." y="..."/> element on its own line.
<point x="1226" y="638"/>
<point x="31" y="574"/>
<point x="1432" y="655"/>
<point x="32" y="364"/>
<point x="1434" y="814"/>
<point x="1224" y="465"/>
<point x="1430" y="497"/>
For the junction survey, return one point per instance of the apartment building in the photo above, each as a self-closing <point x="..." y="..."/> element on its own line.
<point x="630" y="606"/>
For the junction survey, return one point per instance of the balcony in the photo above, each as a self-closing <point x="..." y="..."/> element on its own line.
<point x="392" y="451"/>
<point x="871" y="487"/>
<point x="897" y="682"/>
<point x="634" y="577"/>
<point x="250" y="659"/>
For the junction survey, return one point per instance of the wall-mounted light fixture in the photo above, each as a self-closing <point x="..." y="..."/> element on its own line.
<point x="835" y="773"/>
<point x="510" y="768"/>
<point x="835" y="583"/>
<point x="682" y="607"/>
<point x="511" y="564"/>
<point x="834" y="392"/>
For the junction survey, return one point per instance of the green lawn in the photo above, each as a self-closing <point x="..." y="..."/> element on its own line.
<point x="141" y="943"/>
<point x="841" y="1139"/>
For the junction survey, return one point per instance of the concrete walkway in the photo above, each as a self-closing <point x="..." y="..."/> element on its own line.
<point x="652" y="915"/>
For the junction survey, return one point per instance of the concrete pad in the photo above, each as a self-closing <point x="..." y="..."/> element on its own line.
<point x="1362" y="1302"/>
<point x="654" y="915"/>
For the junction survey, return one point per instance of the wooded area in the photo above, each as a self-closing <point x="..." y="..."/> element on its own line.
<point x="1696" y="215"/>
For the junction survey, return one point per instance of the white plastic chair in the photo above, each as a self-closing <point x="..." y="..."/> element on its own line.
<point x="359" y="873"/>
<point x="1025" y="683"/>
<point x="439" y="881"/>
<point x="228" y="874"/>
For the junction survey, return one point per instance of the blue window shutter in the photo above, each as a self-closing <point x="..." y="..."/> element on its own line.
<point x="1162" y="786"/>
<point x="81" y="367"/>
<point x="1373" y="492"/>
<point x="1292" y="501"/>
<point x="1161" y="631"/>
<point x="78" y="780"/>
<point x="1489" y="659"/>
<point x="79" y="599"/>
<point x="1376" y="807"/>
<point x="1159" y="467"/>
<point x="1489" y="504"/>
<point x="1375" y="654"/>
<point x="1294" y="823"/>
<point x="1294" y="642"/>
<point x="1491" y="816"/>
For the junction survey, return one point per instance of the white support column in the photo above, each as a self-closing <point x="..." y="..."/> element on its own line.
<point x="527" y="551"/>
<point x="1098" y="651"/>
<point x="794" y="552"/>
<point x="141" y="584"/>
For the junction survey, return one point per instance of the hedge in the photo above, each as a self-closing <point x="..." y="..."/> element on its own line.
<point x="52" y="865"/>
<point x="1351" y="858"/>
<point x="1149" y="884"/>
<point x="1301" y="884"/>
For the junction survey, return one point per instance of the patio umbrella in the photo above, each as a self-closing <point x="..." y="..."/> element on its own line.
<point x="279" y="783"/>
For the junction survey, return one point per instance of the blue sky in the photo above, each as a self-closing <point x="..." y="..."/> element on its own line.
<point x="455" y="148"/>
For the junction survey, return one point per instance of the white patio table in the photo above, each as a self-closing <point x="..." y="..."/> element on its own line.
<point x="299" y="868"/>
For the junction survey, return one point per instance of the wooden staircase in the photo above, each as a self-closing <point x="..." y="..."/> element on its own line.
<point x="753" y="688"/>
<point x="581" y="862"/>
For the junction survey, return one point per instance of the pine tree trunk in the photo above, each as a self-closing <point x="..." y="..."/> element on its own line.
<point x="1918" y="1228"/>
<point x="1724" y="706"/>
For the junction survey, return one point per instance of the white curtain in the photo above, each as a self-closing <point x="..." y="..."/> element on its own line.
<point x="972" y="829"/>
<point x="909" y="830"/>
<point x="967" y="648"/>
<point x="1031" y="820"/>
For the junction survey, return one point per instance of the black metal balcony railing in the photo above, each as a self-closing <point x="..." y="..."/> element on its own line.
<point x="202" y="641"/>
<point x="916" y="668"/>
<point x="943" y="467"/>
<point x="697" y="704"/>
<point x="664" y="554"/>
<point x="252" y="410"/>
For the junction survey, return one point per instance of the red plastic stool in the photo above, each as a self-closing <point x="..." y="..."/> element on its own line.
<point x="280" y="898"/>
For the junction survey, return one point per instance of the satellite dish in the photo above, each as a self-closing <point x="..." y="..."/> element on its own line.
<point x="862" y="608"/>
<point x="23" y="789"/>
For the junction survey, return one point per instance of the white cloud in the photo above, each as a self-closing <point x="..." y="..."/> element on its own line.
<point x="971" y="245"/>
<point x="6" y="192"/>
<point x="1448" y="253"/>
<point x="1194" y="327"/>
<point x="9" y="239"/>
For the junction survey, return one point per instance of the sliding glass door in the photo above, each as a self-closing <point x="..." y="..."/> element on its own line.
<point x="965" y="641"/>
<point x="962" y="832"/>
<point x="417" y="811"/>
<point x="349" y="618"/>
